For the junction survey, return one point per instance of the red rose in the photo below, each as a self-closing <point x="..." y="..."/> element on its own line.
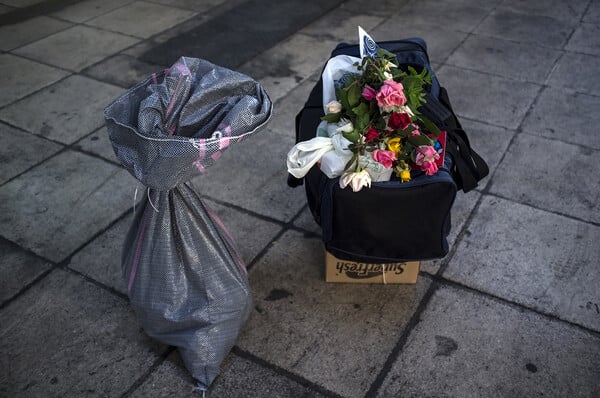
<point x="372" y="134"/>
<point x="398" y="121"/>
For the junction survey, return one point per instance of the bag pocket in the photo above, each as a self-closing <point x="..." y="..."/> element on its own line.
<point x="389" y="222"/>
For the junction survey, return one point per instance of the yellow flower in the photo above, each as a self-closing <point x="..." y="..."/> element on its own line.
<point x="394" y="145"/>
<point x="405" y="175"/>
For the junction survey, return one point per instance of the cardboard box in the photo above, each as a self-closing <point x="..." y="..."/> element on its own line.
<point x="337" y="270"/>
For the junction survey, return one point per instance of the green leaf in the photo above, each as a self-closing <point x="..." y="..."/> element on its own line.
<point x="430" y="126"/>
<point x="361" y="109"/>
<point x="354" y="95"/>
<point x="418" y="140"/>
<point x="332" y="117"/>
<point x="383" y="53"/>
<point x="351" y="161"/>
<point x="404" y="157"/>
<point x="352" y="136"/>
<point x="362" y="121"/>
<point x="342" y="96"/>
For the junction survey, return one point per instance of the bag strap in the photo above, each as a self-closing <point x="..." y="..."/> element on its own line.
<point x="470" y="167"/>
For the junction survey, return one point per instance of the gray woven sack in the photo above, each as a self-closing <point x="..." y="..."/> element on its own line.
<point x="185" y="280"/>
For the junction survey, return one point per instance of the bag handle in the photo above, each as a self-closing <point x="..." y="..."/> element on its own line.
<point x="470" y="166"/>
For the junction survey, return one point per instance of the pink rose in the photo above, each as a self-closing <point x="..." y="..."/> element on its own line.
<point x="430" y="168"/>
<point x="369" y="93"/>
<point x="426" y="153"/>
<point x="415" y="131"/>
<point x="425" y="158"/>
<point x="390" y="95"/>
<point x="386" y="158"/>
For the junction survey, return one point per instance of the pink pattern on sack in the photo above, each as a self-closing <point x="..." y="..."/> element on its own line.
<point x="201" y="145"/>
<point x="181" y="68"/>
<point x="138" y="252"/>
<point x="232" y="241"/>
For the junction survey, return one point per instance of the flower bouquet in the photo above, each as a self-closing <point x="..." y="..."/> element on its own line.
<point x="372" y="121"/>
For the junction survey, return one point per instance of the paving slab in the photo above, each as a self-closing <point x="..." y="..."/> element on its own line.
<point x="490" y="142"/>
<point x="586" y="39"/>
<point x="487" y="4"/>
<point x="19" y="268"/>
<point x="122" y="70"/>
<point x="461" y="210"/>
<point x="577" y="72"/>
<point x="259" y="164"/>
<point x="592" y="14"/>
<point x="243" y="378"/>
<point x="21" y="3"/>
<point x="194" y="5"/>
<point x="30" y="149"/>
<point x="77" y="47"/>
<point x="468" y="345"/>
<point x="145" y="46"/>
<point x="101" y="258"/>
<point x="487" y="98"/>
<point x="565" y="115"/>
<point x="162" y="18"/>
<point x="543" y="169"/>
<point x="341" y="25"/>
<point x="465" y="15"/>
<point x="19" y="77"/>
<point x="99" y="144"/>
<point x="235" y="36"/>
<point x="56" y="207"/>
<point x="441" y="41"/>
<point x="283" y="67"/>
<point x="251" y="234"/>
<point x="65" y="111"/>
<point x="66" y="337"/>
<point x="253" y="176"/>
<point x="18" y="34"/>
<point x="85" y="10"/>
<point x="5" y="9"/>
<point x="526" y="28"/>
<point x="543" y="260"/>
<point x="305" y="220"/>
<point x="334" y="335"/>
<point x="563" y="10"/>
<point x="376" y="8"/>
<point x="285" y="109"/>
<point x="239" y="378"/>
<point x="502" y="57"/>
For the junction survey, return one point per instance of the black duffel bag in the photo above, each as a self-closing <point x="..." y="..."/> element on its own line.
<point x="392" y="221"/>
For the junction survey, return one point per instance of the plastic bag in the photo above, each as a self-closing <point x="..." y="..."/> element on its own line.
<point x="185" y="279"/>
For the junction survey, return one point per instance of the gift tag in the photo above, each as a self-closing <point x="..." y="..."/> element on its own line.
<point x="368" y="47"/>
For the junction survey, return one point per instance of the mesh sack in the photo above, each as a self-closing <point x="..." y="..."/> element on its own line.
<point x="184" y="277"/>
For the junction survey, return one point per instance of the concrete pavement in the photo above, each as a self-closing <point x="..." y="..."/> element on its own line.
<point x="513" y="310"/>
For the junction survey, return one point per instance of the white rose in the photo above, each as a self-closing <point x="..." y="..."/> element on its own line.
<point x="356" y="180"/>
<point x="388" y="76"/>
<point x="333" y="107"/>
